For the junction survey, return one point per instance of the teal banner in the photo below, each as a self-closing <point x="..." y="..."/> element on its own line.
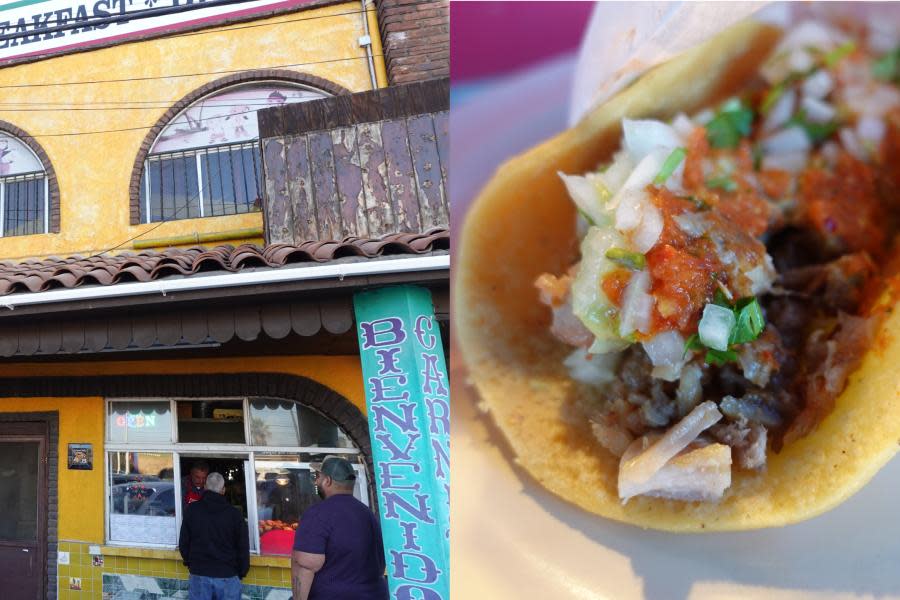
<point x="408" y="401"/>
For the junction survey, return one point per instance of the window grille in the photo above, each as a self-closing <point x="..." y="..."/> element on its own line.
<point x="205" y="182"/>
<point x="23" y="204"/>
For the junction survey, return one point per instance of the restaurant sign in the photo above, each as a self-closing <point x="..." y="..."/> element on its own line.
<point x="408" y="401"/>
<point x="41" y="27"/>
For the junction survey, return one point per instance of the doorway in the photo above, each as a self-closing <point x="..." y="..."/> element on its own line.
<point x="23" y="509"/>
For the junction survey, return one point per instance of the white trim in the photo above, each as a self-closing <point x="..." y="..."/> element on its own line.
<point x="164" y="287"/>
<point x="106" y="488"/>
<point x="179" y="493"/>
<point x="225" y="449"/>
<point x="118" y="544"/>
<point x="200" y="188"/>
<point x="147" y="191"/>
<point x="252" y="508"/>
<point x="46" y="204"/>
<point x="264" y="450"/>
<point x="2" y="208"/>
<point x="246" y="407"/>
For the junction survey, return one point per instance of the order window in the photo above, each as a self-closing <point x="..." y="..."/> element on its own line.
<point x="263" y="447"/>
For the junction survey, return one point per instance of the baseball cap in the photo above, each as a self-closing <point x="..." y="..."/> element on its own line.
<point x="335" y="467"/>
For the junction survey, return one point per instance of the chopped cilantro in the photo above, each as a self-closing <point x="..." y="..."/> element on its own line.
<point x="749" y="321"/>
<point x="587" y="218"/>
<point x="626" y="258"/>
<point x="749" y="324"/>
<point x="730" y="124"/>
<point x="757" y="157"/>
<point x="721" y="299"/>
<point x="720" y="357"/>
<point x="671" y="163"/>
<point x="723" y="182"/>
<point x="839" y="53"/>
<point x="698" y="202"/>
<point x="816" y="132"/>
<point x="887" y="68"/>
<point x="693" y="343"/>
<point x="771" y="97"/>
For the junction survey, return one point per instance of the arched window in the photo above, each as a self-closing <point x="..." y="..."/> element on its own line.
<point x="206" y="161"/>
<point x="24" y="189"/>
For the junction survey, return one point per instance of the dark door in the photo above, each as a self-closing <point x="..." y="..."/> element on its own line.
<point x="23" y="522"/>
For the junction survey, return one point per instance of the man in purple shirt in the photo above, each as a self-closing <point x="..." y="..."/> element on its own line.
<point x="338" y="551"/>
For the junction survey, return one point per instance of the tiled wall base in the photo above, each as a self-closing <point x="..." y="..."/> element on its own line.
<point x="137" y="587"/>
<point x="111" y="575"/>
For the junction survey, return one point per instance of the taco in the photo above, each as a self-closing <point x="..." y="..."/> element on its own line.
<point x="679" y="311"/>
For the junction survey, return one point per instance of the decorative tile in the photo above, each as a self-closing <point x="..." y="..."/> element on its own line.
<point x="139" y="587"/>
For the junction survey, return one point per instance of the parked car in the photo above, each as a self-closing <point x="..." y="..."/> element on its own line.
<point x="148" y="498"/>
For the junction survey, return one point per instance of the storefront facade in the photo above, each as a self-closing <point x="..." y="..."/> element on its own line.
<point x="196" y="315"/>
<point x="87" y="508"/>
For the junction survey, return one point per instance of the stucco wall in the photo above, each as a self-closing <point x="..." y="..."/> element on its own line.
<point x="81" y="420"/>
<point x="93" y="171"/>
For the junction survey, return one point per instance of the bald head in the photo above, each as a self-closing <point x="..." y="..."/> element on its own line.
<point x="215" y="483"/>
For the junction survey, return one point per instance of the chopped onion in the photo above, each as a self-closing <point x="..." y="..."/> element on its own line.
<point x="644" y="136"/>
<point x="793" y="162"/>
<point x="647" y="233"/>
<point x="607" y="345"/>
<point x="701" y="474"/>
<point x="593" y="369"/>
<point x="884" y="35"/>
<point x="792" y="139"/>
<point x="704" y="116"/>
<point x="875" y="100"/>
<point x="666" y="352"/>
<point x="628" y="211"/>
<point x="812" y="34"/>
<point x="870" y="129"/>
<point x="683" y="125"/>
<point x="637" y="305"/>
<point x="818" y="111"/>
<point x="800" y="60"/>
<point x="635" y="212"/>
<point x="640" y="468"/>
<point x="830" y="151"/>
<point x="590" y="196"/>
<point x="781" y="111"/>
<point x="693" y="224"/>
<point x="644" y="173"/>
<point x="761" y="277"/>
<point x="690" y="389"/>
<point x="589" y="303"/>
<point x="617" y="172"/>
<point x="851" y="143"/>
<point x="715" y="326"/>
<point x="818" y="85"/>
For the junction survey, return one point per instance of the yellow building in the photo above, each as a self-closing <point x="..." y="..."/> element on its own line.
<point x="153" y="316"/>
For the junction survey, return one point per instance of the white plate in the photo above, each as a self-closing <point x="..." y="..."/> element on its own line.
<point x="512" y="539"/>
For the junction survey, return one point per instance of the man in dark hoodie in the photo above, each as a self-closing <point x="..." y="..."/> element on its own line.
<point x="214" y="544"/>
<point x="338" y="552"/>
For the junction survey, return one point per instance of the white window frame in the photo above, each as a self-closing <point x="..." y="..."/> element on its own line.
<point x="25" y="177"/>
<point x="245" y="452"/>
<point x="198" y="153"/>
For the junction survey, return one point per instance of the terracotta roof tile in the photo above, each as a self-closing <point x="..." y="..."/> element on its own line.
<point x="34" y="275"/>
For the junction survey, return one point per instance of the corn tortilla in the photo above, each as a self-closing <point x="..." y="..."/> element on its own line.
<point x="522" y="224"/>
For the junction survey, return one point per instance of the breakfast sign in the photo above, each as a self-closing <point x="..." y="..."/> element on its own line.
<point x="408" y="401"/>
<point x="31" y="28"/>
